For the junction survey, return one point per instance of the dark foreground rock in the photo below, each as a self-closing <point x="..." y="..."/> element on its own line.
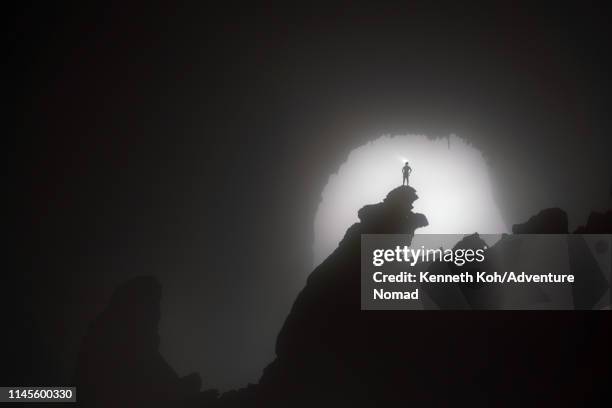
<point x="331" y="353"/>
<point x="119" y="364"/>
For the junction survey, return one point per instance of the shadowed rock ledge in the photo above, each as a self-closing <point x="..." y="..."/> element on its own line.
<point x="331" y="353"/>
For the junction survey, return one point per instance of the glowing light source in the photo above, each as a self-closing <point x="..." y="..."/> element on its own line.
<point x="451" y="178"/>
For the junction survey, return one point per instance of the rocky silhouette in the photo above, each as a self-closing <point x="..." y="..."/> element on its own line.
<point x="597" y="223"/>
<point x="119" y="364"/>
<point x="548" y="221"/>
<point x="555" y="221"/>
<point x="331" y="353"/>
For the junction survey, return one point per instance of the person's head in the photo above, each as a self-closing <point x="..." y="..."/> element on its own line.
<point x="406" y="164"/>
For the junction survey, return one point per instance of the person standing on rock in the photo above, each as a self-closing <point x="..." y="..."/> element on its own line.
<point x="406" y="170"/>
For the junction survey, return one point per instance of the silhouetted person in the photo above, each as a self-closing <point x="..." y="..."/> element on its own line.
<point x="119" y="363"/>
<point x="406" y="170"/>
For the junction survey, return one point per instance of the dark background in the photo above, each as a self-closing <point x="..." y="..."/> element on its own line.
<point x="193" y="143"/>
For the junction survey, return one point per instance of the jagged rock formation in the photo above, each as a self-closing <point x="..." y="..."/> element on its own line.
<point x="321" y="347"/>
<point x="331" y="353"/>
<point x="548" y="221"/>
<point x="393" y="216"/>
<point x="597" y="223"/>
<point x="555" y="221"/>
<point x="119" y="363"/>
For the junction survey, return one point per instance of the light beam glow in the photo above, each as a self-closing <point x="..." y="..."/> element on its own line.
<point x="451" y="178"/>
